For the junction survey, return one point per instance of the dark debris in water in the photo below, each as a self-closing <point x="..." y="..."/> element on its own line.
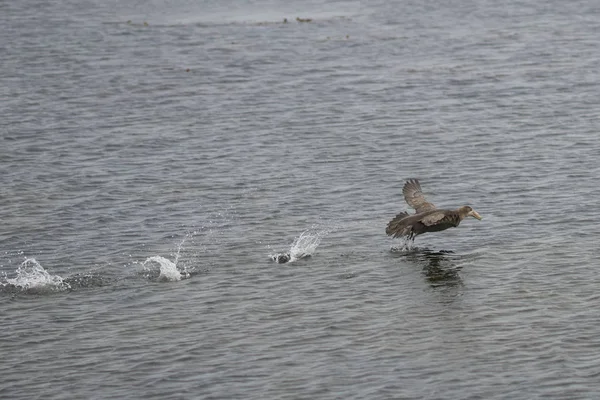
<point x="281" y="258"/>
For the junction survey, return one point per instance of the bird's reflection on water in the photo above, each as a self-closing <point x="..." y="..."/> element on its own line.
<point x="439" y="267"/>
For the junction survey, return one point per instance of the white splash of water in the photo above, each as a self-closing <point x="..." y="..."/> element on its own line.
<point x="31" y="276"/>
<point x="303" y="246"/>
<point x="168" y="269"/>
<point x="406" y="245"/>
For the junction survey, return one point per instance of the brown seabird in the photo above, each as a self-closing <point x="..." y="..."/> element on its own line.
<point x="427" y="218"/>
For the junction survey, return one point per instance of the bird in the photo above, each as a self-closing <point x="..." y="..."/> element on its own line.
<point x="427" y="217"/>
<point x="281" y="258"/>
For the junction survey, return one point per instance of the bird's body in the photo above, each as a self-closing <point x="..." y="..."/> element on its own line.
<point x="428" y="218"/>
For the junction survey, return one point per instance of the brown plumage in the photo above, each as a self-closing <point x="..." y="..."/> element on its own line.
<point x="427" y="218"/>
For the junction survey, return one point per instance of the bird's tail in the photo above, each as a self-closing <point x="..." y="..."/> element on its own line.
<point x="395" y="226"/>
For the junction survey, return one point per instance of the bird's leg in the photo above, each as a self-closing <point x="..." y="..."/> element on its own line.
<point x="410" y="239"/>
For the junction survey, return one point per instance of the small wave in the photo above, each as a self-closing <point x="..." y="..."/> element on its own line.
<point x="303" y="246"/>
<point x="33" y="278"/>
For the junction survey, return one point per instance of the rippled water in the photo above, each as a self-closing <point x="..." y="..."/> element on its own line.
<point x="156" y="155"/>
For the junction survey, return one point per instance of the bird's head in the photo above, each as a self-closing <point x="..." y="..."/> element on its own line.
<point x="466" y="211"/>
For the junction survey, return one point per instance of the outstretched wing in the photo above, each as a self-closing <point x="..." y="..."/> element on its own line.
<point x="397" y="226"/>
<point x="414" y="197"/>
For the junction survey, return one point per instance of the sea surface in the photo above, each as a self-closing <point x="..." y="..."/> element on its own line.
<point x="156" y="155"/>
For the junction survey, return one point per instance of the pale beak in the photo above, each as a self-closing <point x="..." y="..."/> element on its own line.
<point x="474" y="214"/>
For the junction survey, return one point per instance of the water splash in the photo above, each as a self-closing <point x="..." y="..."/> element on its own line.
<point x="167" y="269"/>
<point x="33" y="278"/>
<point x="303" y="246"/>
<point x="405" y="246"/>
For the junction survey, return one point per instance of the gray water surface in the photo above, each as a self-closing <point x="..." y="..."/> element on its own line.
<point x="154" y="155"/>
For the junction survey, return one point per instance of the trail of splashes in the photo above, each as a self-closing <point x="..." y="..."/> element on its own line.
<point x="32" y="277"/>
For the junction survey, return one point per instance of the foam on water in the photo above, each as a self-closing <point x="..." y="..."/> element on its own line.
<point x="32" y="277"/>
